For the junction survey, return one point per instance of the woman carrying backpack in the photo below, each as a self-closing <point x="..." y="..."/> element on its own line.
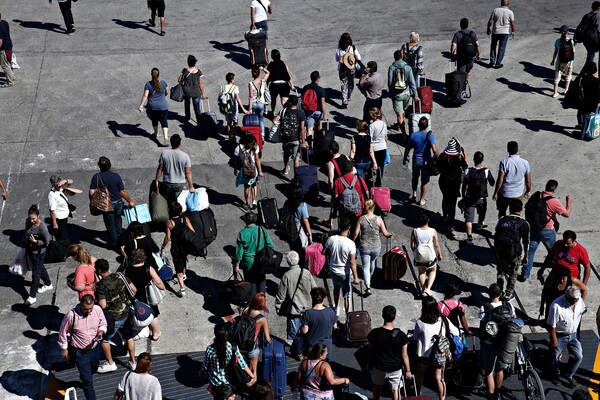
<point x="427" y="328"/>
<point x="247" y="168"/>
<point x="345" y="73"/>
<point x="412" y="54"/>
<point x="451" y="164"/>
<point x="425" y="245"/>
<point x="174" y="234"/>
<point x="256" y="95"/>
<point x="298" y="206"/>
<point x="255" y="310"/>
<point x="453" y="309"/>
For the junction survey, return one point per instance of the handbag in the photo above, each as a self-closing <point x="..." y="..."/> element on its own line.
<point x="266" y="260"/>
<point x="141" y="313"/>
<point x="153" y="293"/>
<point x="286" y="305"/>
<point x="431" y="164"/>
<point x="100" y="200"/>
<point x="235" y="291"/>
<point x="177" y="91"/>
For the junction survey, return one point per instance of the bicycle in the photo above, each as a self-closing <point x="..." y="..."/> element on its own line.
<point x="534" y="389"/>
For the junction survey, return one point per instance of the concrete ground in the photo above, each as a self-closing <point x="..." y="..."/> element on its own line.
<point x="75" y="99"/>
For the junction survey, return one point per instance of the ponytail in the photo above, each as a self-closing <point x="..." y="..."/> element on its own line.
<point x="155" y="81"/>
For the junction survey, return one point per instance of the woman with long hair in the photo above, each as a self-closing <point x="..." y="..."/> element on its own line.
<point x="255" y="309"/>
<point x="174" y="234"/>
<point x="412" y="54"/>
<point x="427" y="252"/>
<point x="361" y="150"/>
<point x="193" y="87"/>
<point x="315" y="377"/>
<point x="346" y="74"/>
<point x="368" y="227"/>
<point x="247" y="152"/>
<point x="139" y="384"/>
<point x="256" y="95"/>
<point x="85" y="276"/>
<point x="157" y="105"/>
<point x="35" y="242"/>
<point x="216" y="357"/>
<point x="427" y="326"/>
<point x="378" y="133"/>
<point x="279" y="80"/>
<point x="451" y="163"/>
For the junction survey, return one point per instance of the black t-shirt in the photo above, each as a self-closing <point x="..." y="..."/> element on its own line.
<point x="363" y="146"/>
<point x="387" y="348"/>
<point x="288" y="121"/>
<point x="5" y="36"/>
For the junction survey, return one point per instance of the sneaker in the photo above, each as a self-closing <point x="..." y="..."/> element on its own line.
<point x="555" y="95"/>
<point x="509" y="296"/>
<point x="163" y="33"/>
<point x="106" y="367"/>
<point x="45" y="288"/>
<point x="254" y="204"/>
<point x="30" y="300"/>
<point x="180" y="293"/>
<point x="521" y="278"/>
<point x="151" y="23"/>
<point x="469" y="240"/>
<point x="572" y="383"/>
<point x="131" y="365"/>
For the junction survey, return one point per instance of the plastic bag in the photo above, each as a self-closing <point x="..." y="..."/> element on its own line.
<point x="19" y="264"/>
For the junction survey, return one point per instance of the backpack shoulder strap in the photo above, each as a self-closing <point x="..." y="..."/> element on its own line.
<point x="353" y="184"/>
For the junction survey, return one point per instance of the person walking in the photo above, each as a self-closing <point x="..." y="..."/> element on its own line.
<point x="174" y="233"/>
<point x="193" y="87"/>
<point x="138" y="237"/>
<point x="35" y="242"/>
<point x="175" y="167"/>
<point x="84" y="277"/>
<point x="255" y="310"/>
<point x="248" y="168"/>
<point x="474" y="193"/>
<point x="590" y="85"/>
<point x="590" y="29"/>
<point x="563" y="56"/>
<point x="296" y="204"/>
<point x="423" y="143"/>
<point x="514" y="179"/>
<point x="315" y="377"/>
<point x="454" y="309"/>
<point x="465" y="48"/>
<point x="292" y="130"/>
<point x="280" y="80"/>
<point x="371" y="84"/>
<point x="314" y="105"/>
<point x="361" y="150"/>
<point x="259" y="10"/>
<point x="413" y="55"/>
<point x="59" y="207"/>
<point x="65" y="10"/>
<point x="86" y="325"/>
<point x="569" y="253"/>
<point x="256" y="94"/>
<point x="231" y="93"/>
<point x="378" y="132"/>
<point x="539" y="232"/>
<point x="116" y="188"/>
<point x="451" y="164"/>
<point x="157" y="106"/>
<point x="157" y="8"/>
<point x="401" y="87"/>
<point x="139" y="384"/>
<point x="319" y="322"/>
<point x="556" y="285"/>
<point x="389" y="353"/>
<point x="511" y="242"/>
<point x="501" y="25"/>
<point x="369" y="226"/>
<point x="563" y="321"/>
<point x="294" y="289"/>
<point x="427" y="252"/>
<point x="250" y="240"/>
<point x="6" y="54"/>
<point x="345" y="70"/>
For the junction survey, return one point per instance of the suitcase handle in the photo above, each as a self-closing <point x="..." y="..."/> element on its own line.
<point x="362" y="305"/>
<point x="415" y="106"/>
<point x="404" y="385"/>
<point x="419" y="77"/>
<point x="266" y="187"/>
<point x="202" y="104"/>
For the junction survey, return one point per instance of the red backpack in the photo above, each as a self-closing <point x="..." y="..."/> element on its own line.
<point x="309" y="100"/>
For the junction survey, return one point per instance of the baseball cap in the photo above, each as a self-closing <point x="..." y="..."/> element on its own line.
<point x="565" y="29"/>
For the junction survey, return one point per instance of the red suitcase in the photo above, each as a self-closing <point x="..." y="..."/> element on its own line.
<point x="394" y="263"/>
<point x="426" y="97"/>
<point x="358" y="323"/>
<point x="413" y="389"/>
<point x="254" y="131"/>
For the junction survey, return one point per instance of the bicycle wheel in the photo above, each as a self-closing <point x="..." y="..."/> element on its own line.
<point x="534" y="390"/>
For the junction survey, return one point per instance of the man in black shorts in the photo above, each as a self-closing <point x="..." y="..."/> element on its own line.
<point x="157" y="7"/>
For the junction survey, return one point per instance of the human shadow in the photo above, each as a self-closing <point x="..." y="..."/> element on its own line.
<point x="15" y="236"/>
<point x="523" y="87"/>
<point x="218" y="198"/>
<point x="209" y="289"/>
<point x="22" y="383"/>
<point x="345" y="124"/>
<point x="130" y="130"/>
<point x="537" y="125"/>
<point x="538" y="71"/>
<point x="134" y="25"/>
<point x="348" y="368"/>
<point x="477" y="255"/>
<point x="237" y="54"/>
<point x="331" y="94"/>
<point x="15" y="282"/>
<point x="87" y="235"/>
<point x="46" y="26"/>
<point x="187" y="373"/>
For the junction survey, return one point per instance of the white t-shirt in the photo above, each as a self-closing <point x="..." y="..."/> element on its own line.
<point x="378" y="131"/>
<point x="140" y="387"/>
<point x="259" y="11"/>
<point x="58" y="204"/>
<point x="482" y="315"/>
<point x="502" y="18"/>
<point x="339" y="54"/>
<point x="236" y="89"/>
<point x="340" y="249"/>
<point x="241" y="152"/>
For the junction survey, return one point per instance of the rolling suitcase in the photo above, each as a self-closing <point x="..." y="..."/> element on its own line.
<point x="307" y="180"/>
<point x="468" y="374"/>
<point x="416" y="116"/>
<point x="425" y="96"/>
<point x="268" y="212"/>
<point x="358" y="323"/>
<point x="382" y="196"/>
<point x="322" y="139"/>
<point x="257" y="42"/>
<point x="457" y="87"/>
<point x="275" y="367"/>
<point x="207" y="121"/>
<point x="250" y="120"/>
<point x="413" y="389"/>
<point x="394" y="263"/>
<point x="254" y="131"/>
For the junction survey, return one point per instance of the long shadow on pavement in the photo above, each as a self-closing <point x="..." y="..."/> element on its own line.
<point x="537" y="125"/>
<point x="237" y="54"/>
<point x="134" y="25"/>
<point x="46" y="26"/>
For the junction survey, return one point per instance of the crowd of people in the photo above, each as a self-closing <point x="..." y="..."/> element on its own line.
<point x="526" y="218"/>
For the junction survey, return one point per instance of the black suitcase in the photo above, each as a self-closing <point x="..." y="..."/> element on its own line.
<point x="468" y="375"/>
<point x="207" y="121"/>
<point x="457" y="87"/>
<point x="268" y="212"/>
<point x="358" y="323"/>
<point x="307" y="180"/>
<point x="257" y="42"/>
<point x="322" y="139"/>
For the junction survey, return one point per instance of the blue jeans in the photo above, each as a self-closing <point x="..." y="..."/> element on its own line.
<point x="591" y="56"/>
<point x="293" y="326"/>
<point x="547" y="237"/>
<point x="362" y="168"/>
<point x="499" y="41"/>
<point x="264" y="26"/>
<point x="313" y="118"/>
<point x="38" y="272"/>
<point x="186" y="106"/>
<point x="571" y="343"/>
<point x="113" y="222"/>
<point x="369" y="263"/>
<point x="259" y="109"/>
<point x="87" y="362"/>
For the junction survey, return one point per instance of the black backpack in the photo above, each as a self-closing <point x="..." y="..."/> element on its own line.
<point x="288" y="225"/>
<point x="536" y="211"/>
<point x="477" y="183"/>
<point x="289" y="124"/>
<point x="574" y="97"/>
<point x="204" y="224"/>
<point x="587" y="33"/>
<point x="507" y="239"/>
<point x="237" y="377"/>
<point x="245" y="333"/>
<point x="565" y="51"/>
<point x="502" y="315"/>
<point x="467" y="47"/>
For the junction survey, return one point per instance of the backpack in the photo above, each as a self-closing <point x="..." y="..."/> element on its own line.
<point x="507" y="239"/>
<point x="194" y="245"/>
<point x="248" y="167"/>
<point x="399" y="79"/>
<point x="310" y="100"/>
<point x="350" y="200"/>
<point x="425" y="253"/>
<point x="226" y="100"/>
<point x="236" y="376"/>
<point x="565" y="51"/>
<point x="440" y="351"/>
<point x="244" y="334"/>
<point x="288" y="225"/>
<point x="587" y="33"/>
<point x="467" y="47"/>
<point x="289" y="124"/>
<point x="411" y="55"/>
<point x="477" y="182"/>
<point x="454" y="314"/>
<point x="501" y="315"/>
<point x="536" y="211"/>
<point x="204" y="224"/>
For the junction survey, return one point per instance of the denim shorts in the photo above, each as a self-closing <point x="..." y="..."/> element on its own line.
<point x="313" y="118"/>
<point x="232" y="118"/>
<point x="343" y="282"/>
<point x="118" y="325"/>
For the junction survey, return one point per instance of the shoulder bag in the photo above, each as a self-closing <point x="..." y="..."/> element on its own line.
<point x="141" y="313"/>
<point x="266" y="260"/>
<point x="286" y="306"/>
<point x="100" y="200"/>
<point x="153" y="293"/>
<point x="177" y="91"/>
<point x="431" y="164"/>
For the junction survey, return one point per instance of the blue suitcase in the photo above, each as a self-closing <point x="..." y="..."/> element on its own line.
<point x="307" y="181"/>
<point x="274" y="366"/>
<point x="250" y="120"/>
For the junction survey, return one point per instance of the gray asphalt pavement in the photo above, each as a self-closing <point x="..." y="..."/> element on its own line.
<point x="75" y="99"/>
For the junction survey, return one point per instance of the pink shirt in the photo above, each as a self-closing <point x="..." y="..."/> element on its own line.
<point x="85" y="329"/>
<point x="85" y="275"/>
<point x="554" y="207"/>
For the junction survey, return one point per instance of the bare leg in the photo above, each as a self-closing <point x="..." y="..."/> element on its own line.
<point x="431" y="277"/>
<point x="162" y="24"/>
<point x="423" y="193"/>
<point x="247" y="193"/>
<point x="131" y="350"/>
<point x="154" y="328"/>
<point x="439" y="377"/>
<point x="469" y="228"/>
<point x="422" y="278"/>
<point x="107" y="353"/>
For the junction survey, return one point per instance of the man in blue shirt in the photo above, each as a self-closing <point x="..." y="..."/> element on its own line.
<point x="423" y="142"/>
<point x="514" y="179"/>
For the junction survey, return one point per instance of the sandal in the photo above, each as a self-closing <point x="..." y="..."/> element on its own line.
<point x="9" y="84"/>
<point x="367" y="293"/>
<point x="155" y="336"/>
